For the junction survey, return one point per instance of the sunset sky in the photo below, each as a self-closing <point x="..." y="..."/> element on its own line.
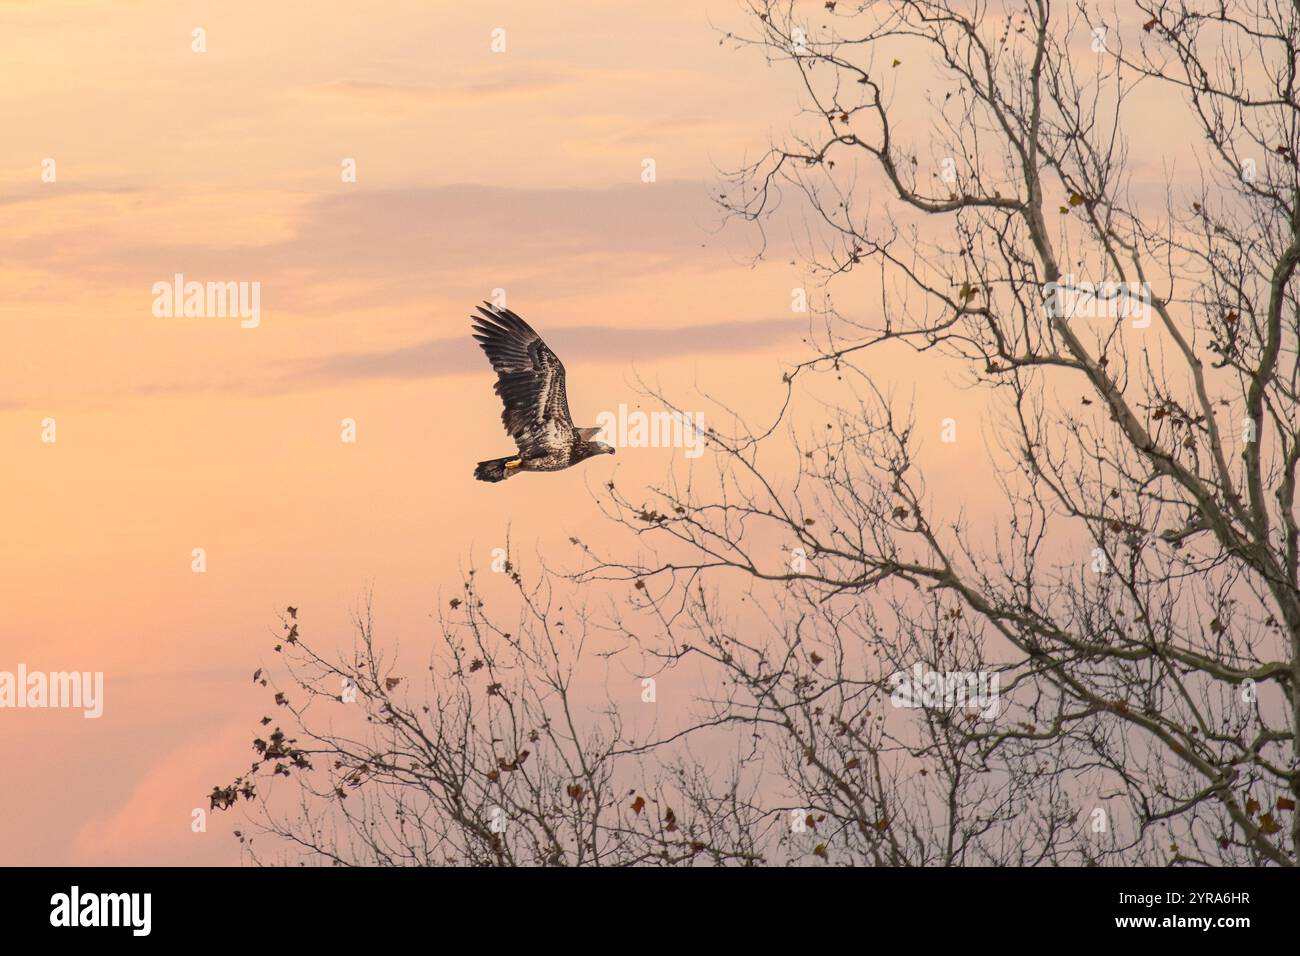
<point x="476" y="170"/>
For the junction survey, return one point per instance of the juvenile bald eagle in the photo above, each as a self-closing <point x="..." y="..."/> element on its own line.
<point x="530" y="381"/>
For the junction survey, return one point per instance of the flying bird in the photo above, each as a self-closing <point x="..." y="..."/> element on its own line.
<point x="530" y="381"/>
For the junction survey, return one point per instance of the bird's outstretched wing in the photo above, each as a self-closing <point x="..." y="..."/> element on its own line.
<point x="530" y="381"/>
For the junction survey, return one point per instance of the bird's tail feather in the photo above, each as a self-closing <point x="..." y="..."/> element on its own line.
<point x="494" y="470"/>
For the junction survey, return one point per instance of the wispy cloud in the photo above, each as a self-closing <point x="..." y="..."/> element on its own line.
<point x="410" y="231"/>
<point x="471" y="91"/>
<point x="442" y="357"/>
<point x="446" y="356"/>
<point x="394" y="250"/>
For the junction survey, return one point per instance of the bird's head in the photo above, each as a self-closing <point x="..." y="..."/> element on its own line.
<point x="603" y="448"/>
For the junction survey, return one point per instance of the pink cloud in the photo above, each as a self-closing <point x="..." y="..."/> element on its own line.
<point x="153" y="827"/>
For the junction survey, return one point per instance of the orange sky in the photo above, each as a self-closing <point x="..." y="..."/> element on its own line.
<point x="475" y="171"/>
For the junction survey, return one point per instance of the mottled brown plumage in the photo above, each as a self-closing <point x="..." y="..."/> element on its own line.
<point x="530" y="381"/>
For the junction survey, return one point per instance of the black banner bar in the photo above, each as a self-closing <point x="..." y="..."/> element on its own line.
<point x="297" y="906"/>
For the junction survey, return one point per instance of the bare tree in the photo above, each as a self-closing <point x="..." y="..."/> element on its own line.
<point x="483" y="755"/>
<point x="1139" y="600"/>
